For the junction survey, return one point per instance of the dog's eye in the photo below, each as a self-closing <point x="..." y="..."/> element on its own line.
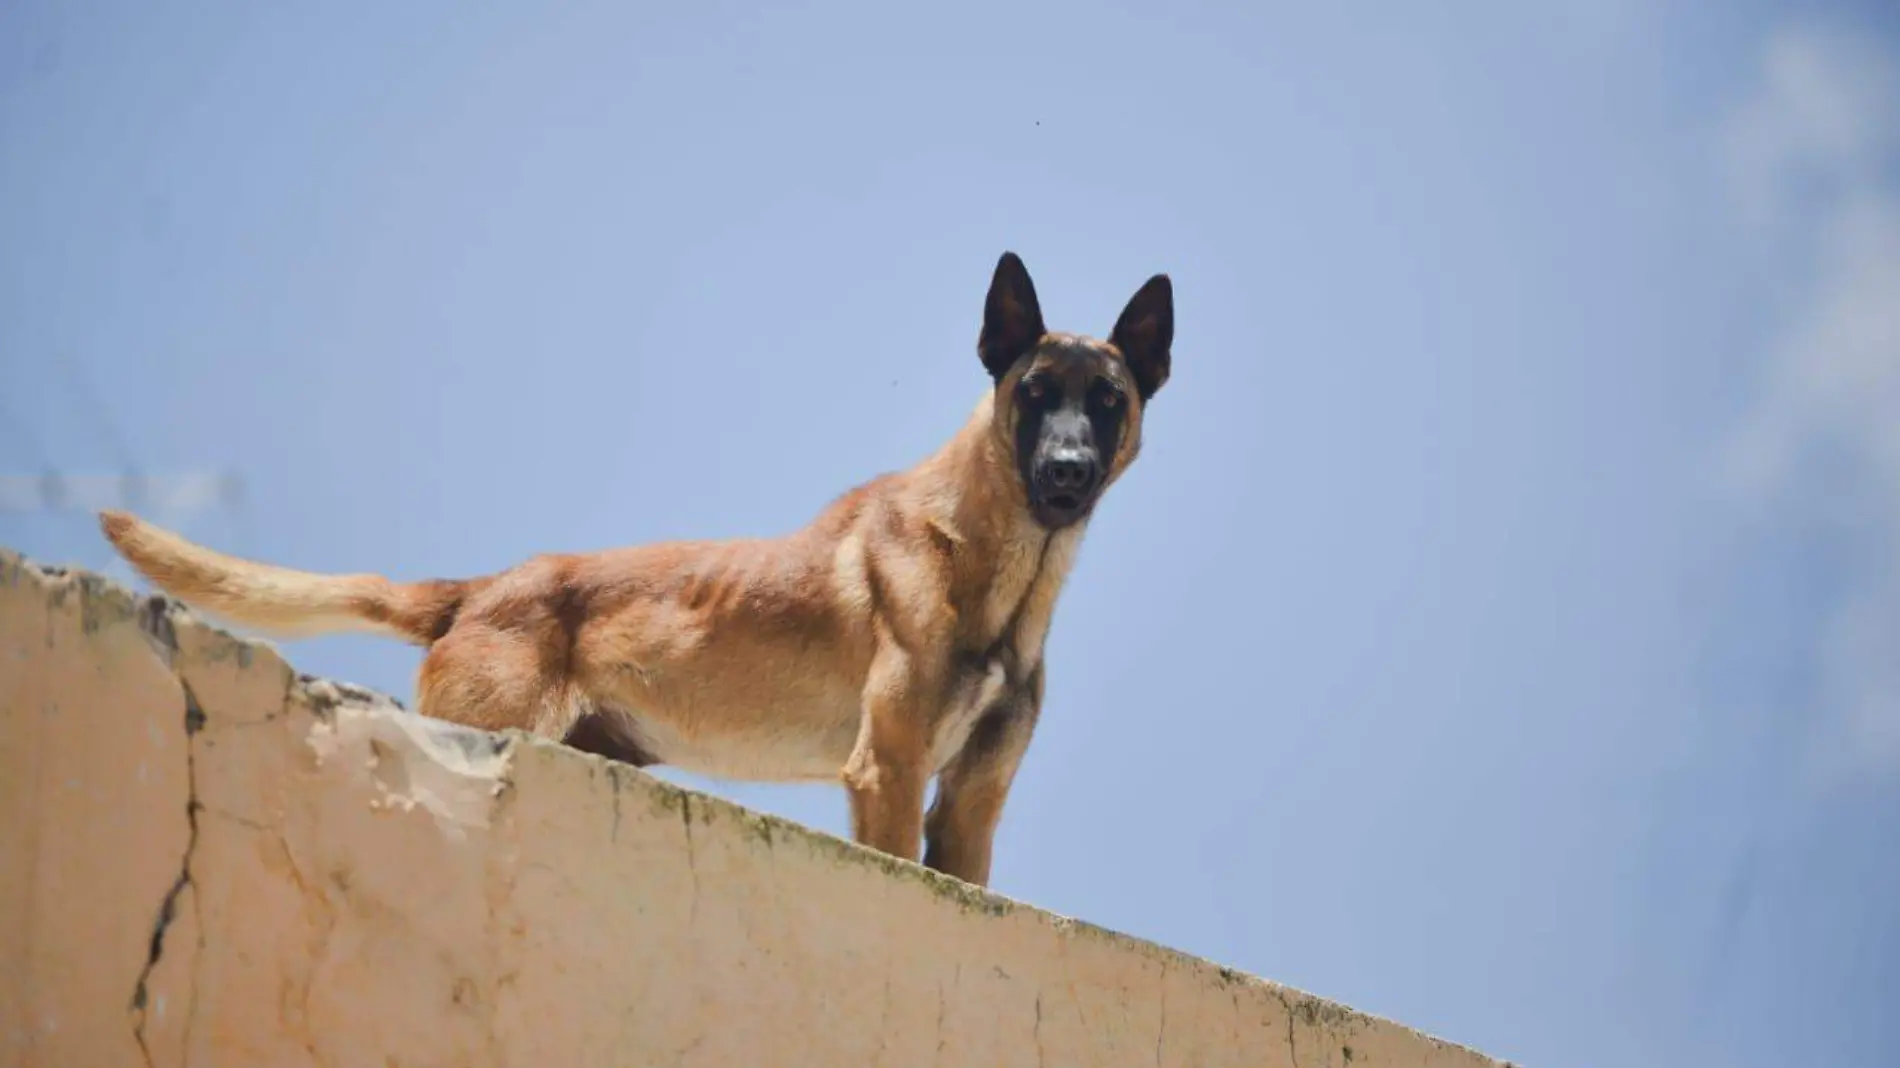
<point x="1034" y="389"/>
<point x="1111" y="398"/>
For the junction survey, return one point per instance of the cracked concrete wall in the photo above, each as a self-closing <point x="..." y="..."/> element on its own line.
<point x="209" y="860"/>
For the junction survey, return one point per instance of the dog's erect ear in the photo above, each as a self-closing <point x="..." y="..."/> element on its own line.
<point x="1012" y="319"/>
<point x="1145" y="334"/>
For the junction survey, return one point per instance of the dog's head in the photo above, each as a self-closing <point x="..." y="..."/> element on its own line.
<point x="1069" y="407"/>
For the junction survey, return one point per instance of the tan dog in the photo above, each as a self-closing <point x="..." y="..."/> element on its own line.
<point x="897" y="636"/>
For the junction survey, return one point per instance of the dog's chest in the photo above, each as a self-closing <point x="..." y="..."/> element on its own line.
<point x="1017" y="605"/>
<point x="1017" y="564"/>
<point x="972" y="694"/>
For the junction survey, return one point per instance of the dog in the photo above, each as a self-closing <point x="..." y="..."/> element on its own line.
<point x="897" y="636"/>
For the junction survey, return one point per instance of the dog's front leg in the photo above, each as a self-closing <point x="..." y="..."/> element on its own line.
<point x="971" y="790"/>
<point x="888" y="767"/>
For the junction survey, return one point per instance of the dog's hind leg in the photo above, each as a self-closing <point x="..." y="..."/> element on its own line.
<point x="495" y="679"/>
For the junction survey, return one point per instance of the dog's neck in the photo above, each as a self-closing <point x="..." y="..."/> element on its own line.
<point x="1030" y="562"/>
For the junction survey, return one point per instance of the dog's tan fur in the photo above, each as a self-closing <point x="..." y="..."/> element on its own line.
<point x="899" y="635"/>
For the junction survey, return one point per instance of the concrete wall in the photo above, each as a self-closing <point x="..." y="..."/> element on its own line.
<point x="209" y="860"/>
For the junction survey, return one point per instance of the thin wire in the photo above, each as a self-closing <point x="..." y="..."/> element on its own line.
<point x="25" y="434"/>
<point x="90" y="400"/>
<point x="232" y="498"/>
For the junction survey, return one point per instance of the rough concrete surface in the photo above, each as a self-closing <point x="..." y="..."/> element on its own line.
<point x="209" y="860"/>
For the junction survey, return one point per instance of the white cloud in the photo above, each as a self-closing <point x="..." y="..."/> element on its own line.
<point x="1812" y="158"/>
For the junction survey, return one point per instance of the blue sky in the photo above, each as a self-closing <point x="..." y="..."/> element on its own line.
<point x="1497" y="633"/>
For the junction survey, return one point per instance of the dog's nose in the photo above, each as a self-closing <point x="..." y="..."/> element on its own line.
<point x="1070" y="474"/>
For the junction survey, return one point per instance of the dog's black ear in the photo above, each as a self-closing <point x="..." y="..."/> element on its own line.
<point x="1145" y="334"/>
<point x="1012" y="319"/>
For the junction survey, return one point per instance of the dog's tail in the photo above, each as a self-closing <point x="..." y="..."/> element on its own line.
<point x="281" y="601"/>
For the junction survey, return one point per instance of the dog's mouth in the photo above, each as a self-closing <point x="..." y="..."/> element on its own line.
<point x="1058" y="510"/>
<point x="1062" y="502"/>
